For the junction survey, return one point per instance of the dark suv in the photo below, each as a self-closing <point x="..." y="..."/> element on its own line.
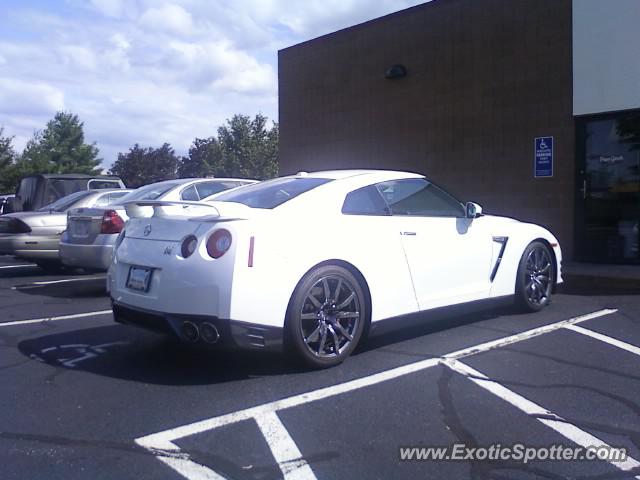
<point x="36" y="191"/>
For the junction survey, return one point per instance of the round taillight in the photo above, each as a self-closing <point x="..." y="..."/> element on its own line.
<point x="218" y="244"/>
<point x="189" y="245"/>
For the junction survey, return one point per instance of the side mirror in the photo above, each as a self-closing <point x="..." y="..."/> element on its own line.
<point x="473" y="210"/>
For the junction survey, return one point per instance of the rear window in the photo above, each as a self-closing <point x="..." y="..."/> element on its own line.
<point x="66" y="202"/>
<point x="103" y="184"/>
<point x="61" y="187"/>
<point x="271" y="193"/>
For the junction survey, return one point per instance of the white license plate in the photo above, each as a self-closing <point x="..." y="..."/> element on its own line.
<point x="139" y="279"/>
<point x="80" y="228"/>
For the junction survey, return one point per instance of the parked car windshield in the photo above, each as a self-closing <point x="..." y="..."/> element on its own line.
<point x="271" y="193"/>
<point x="149" y="192"/>
<point x="65" y="203"/>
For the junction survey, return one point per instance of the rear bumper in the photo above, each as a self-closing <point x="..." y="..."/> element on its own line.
<point x="88" y="256"/>
<point x="233" y="333"/>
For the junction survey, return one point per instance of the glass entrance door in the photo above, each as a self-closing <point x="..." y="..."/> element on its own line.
<point x="609" y="189"/>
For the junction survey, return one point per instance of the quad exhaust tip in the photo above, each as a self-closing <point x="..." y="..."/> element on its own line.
<point x="190" y="331"/>
<point x="206" y="332"/>
<point x="209" y="332"/>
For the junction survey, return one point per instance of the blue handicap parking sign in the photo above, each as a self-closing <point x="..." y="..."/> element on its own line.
<point x="543" y="160"/>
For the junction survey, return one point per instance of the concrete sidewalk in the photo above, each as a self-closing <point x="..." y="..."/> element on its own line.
<point x="597" y="275"/>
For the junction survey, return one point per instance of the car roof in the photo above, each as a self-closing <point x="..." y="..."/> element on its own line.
<point x="213" y="179"/>
<point x="73" y="175"/>
<point x="182" y="181"/>
<point x="350" y="173"/>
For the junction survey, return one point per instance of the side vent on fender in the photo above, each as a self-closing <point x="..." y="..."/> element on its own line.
<point x="503" y="244"/>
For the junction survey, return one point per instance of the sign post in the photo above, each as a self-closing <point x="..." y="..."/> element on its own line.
<point x="543" y="158"/>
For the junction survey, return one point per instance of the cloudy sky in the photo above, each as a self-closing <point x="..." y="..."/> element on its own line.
<point x="150" y="71"/>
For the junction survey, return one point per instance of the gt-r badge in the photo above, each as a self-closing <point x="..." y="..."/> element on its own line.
<point x="168" y="250"/>
<point x="147" y="230"/>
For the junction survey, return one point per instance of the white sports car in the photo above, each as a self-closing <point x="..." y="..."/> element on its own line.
<point x="310" y="261"/>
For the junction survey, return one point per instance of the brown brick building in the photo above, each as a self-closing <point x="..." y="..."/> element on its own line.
<point x="483" y="80"/>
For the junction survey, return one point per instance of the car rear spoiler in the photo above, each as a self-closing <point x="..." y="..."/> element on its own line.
<point x="208" y="211"/>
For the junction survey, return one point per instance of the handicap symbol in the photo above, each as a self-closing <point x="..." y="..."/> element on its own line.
<point x="543" y="145"/>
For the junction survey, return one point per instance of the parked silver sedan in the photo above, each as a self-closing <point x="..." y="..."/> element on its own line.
<point x="35" y="236"/>
<point x="92" y="232"/>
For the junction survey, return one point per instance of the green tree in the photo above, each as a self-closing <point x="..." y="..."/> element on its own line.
<point x="248" y="148"/>
<point x="204" y="155"/>
<point x="60" y="148"/>
<point x="8" y="173"/>
<point x="244" y="148"/>
<point x="140" y="166"/>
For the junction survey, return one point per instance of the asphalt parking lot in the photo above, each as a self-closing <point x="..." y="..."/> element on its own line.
<point x="83" y="397"/>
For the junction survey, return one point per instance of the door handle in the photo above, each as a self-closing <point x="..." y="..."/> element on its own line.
<point x="584" y="189"/>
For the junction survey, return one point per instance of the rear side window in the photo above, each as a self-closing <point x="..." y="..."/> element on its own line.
<point x="102" y="201"/>
<point x="206" y="189"/>
<point x="27" y="193"/>
<point x="365" y="201"/>
<point x="272" y="193"/>
<point x="419" y="197"/>
<point x="190" y="194"/>
<point x="114" y="197"/>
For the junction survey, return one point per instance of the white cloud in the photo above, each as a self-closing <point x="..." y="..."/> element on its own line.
<point x="171" y="18"/>
<point x="150" y="72"/>
<point x="116" y="52"/>
<point x="110" y="8"/>
<point x="219" y="65"/>
<point x="32" y="98"/>
<point x="78" y="57"/>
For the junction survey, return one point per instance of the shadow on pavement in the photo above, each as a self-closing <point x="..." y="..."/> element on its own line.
<point x="80" y="288"/>
<point x="128" y="353"/>
<point x="133" y="354"/>
<point x="408" y="327"/>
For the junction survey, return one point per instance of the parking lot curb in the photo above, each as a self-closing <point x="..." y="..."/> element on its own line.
<point x="594" y="283"/>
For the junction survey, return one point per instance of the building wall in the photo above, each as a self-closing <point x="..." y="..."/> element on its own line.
<point x="484" y="78"/>
<point x="606" y="49"/>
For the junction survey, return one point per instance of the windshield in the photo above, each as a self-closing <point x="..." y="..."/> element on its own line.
<point x="272" y="193"/>
<point x="65" y="203"/>
<point x="149" y="192"/>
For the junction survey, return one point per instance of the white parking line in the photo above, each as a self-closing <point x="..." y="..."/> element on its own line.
<point x="53" y="282"/>
<point x="534" y="332"/>
<point x="55" y="319"/>
<point x="17" y="266"/>
<point x="283" y="448"/>
<point x="605" y="338"/>
<point x="161" y="443"/>
<point x="189" y="469"/>
<point x="550" y="419"/>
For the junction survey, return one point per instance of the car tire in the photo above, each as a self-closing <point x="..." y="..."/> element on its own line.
<point x="326" y="317"/>
<point x="535" y="277"/>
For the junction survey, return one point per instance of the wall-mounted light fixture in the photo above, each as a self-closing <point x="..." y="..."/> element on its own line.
<point x="395" y="71"/>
